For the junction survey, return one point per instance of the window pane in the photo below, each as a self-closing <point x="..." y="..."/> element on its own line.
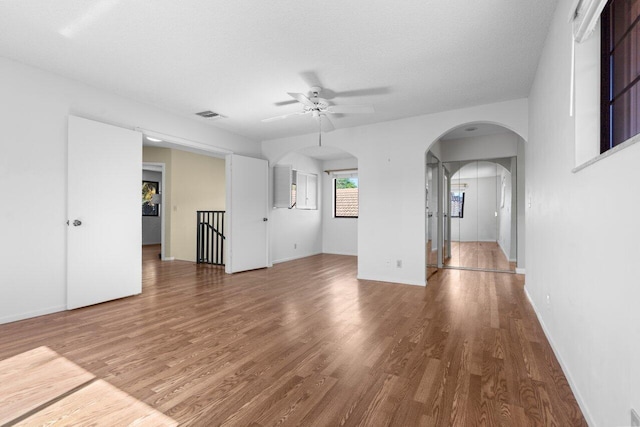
<point x="626" y="61"/>
<point x="624" y="116"/>
<point x="346" y="197"/>
<point x="457" y="204"/>
<point x="623" y="14"/>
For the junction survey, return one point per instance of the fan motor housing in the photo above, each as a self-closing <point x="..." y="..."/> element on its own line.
<point x="321" y="104"/>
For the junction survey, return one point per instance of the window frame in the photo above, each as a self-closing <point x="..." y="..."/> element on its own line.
<point x="335" y="198"/>
<point x="461" y="216"/>
<point x="606" y="84"/>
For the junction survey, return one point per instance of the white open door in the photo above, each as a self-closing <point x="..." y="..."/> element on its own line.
<point x="247" y="185"/>
<point x="104" y="259"/>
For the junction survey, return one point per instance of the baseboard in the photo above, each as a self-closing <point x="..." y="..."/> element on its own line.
<point x="521" y="270"/>
<point x="30" y="314"/>
<point x="169" y="258"/>
<point x="340" y="253"/>
<point x="563" y="366"/>
<point x="392" y="280"/>
<point x="278" y="261"/>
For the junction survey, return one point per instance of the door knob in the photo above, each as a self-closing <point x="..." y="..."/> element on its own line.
<point x="77" y="222"/>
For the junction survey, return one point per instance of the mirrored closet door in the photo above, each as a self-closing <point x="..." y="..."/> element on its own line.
<point x="479" y="224"/>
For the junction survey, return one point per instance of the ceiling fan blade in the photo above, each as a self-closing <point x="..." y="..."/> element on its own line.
<point x="311" y="78"/>
<point x="273" y="119"/>
<point x="383" y="90"/>
<point x="283" y="103"/>
<point x="350" y="109"/>
<point x="325" y="123"/>
<point x="302" y="99"/>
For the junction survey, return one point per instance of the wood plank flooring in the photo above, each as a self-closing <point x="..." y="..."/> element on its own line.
<point x="39" y="387"/>
<point x="484" y="255"/>
<point x="306" y="343"/>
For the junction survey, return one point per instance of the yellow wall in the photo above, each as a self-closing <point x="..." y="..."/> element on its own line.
<point x="193" y="182"/>
<point x="197" y="183"/>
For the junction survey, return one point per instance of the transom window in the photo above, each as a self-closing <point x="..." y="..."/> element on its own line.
<point x="620" y="105"/>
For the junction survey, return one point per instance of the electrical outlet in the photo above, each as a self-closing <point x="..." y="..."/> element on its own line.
<point x="635" y="418"/>
<point x="399" y="263"/>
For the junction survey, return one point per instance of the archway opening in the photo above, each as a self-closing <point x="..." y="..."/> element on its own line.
<point x="474" y="182"/>
<point x="315" y="203"/>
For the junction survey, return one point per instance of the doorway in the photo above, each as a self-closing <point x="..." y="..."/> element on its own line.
<point x="153" y="217"/>
<point x="473" y="201"/>
<point x="481" y="221"/>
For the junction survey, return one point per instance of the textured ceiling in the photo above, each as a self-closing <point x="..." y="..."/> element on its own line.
<point x="240" y="58"/>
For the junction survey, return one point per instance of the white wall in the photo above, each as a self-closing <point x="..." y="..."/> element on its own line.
<point x="582" y="245"/>
<point x="297" y="233"/>
<point x="479" y="223"/>
<point x="479" y="148"/>
<point x="391" y="172"/>
<point x="339" y="235"/>
<point x="151" y="229"/>
<point x="33" y="118"/>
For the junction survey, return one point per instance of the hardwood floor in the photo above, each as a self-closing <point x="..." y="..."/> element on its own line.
<point x="306" y="343"/>
<point x="484" y="255"/>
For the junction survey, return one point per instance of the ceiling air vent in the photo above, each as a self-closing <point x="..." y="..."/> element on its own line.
<point x="208" y="114"/>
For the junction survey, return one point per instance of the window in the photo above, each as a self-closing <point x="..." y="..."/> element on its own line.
<point x="457" y="204"/>
<point x="620" y="59"/>
<point x="305" y="192"/>
<point x="345" y="191"/>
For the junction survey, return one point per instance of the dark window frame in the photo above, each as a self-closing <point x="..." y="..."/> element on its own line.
<point x="335" y="200"/>
<point x="607" y="98"/>
<point x="461" y="206"/>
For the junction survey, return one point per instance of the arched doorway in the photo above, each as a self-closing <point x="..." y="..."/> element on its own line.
<point x="474" y="181"/>
<point x="313" y="221"/>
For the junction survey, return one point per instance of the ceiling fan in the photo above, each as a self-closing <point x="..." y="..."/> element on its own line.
<point x="320" y="109"/>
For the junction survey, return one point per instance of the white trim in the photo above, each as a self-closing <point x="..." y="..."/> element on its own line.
<point x="340" y="253"/>
<point x="628" y="143"/>
<point x="184" y="143"/>
<point x="393" y="280"/>
<point x="278" y="261"/>
<point x="521" y="270"/>
<point x="169" y="258"/>
<point x="30" y="314"/>
<point x="563" y="366"/>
